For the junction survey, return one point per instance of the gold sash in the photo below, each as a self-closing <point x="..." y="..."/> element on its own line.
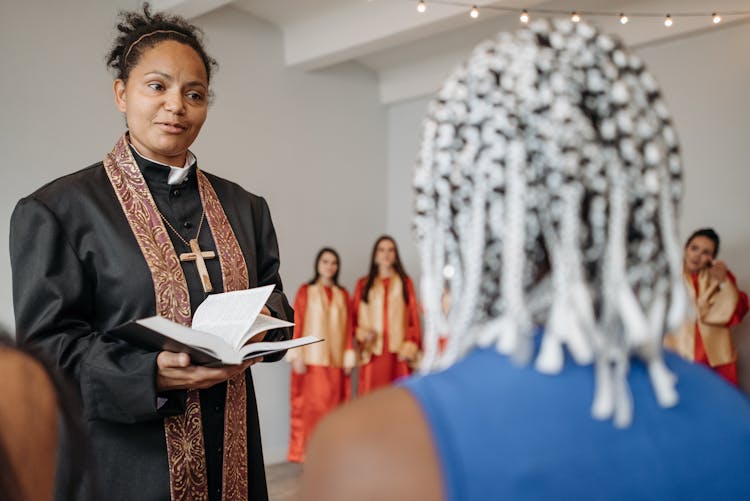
<point x="184" y="433"/>
<point x="328" y="320"/>
<point x="714" y="307"/>
<point x="370" y="317"/>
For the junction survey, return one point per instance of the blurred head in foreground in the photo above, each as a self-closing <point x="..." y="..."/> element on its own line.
<point x="546" y="193"/>
<point x="35" y="399"/>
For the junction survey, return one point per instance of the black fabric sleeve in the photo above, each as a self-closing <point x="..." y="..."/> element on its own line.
<point x="268" y="261"/>
<point x="53" y="300"/>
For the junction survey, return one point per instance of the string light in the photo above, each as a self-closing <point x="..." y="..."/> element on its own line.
<point x="576" y="16"/>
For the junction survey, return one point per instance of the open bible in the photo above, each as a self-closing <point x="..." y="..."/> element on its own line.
<point x="222" y="326"/>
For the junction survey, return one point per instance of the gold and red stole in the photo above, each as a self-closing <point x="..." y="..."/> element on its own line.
<point x="714" y="307"/>
<point x="326" y="319"/>
<point x="184" y="433"/>
<point x="370" y="316"/>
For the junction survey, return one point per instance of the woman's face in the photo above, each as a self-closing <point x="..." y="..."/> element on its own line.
<point x="328" y="265"/>
<point x="165" y="101"/>
<point x="698" y="254"/>
<point x="385" y="254"/>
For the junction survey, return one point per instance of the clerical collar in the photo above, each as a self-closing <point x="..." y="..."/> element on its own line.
<point x="176" y="174"/>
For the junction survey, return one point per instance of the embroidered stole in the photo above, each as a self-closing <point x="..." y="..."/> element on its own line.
<point x="328" y="320"/>
<point x="184" y="433"/>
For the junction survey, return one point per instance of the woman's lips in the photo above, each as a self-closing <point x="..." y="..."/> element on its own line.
<point x="171" y="128"/>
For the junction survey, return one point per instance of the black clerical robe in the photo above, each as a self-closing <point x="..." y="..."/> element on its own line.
<point x="78" y="272"/>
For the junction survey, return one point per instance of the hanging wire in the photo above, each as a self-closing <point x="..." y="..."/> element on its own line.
<point x="577" y="15"/>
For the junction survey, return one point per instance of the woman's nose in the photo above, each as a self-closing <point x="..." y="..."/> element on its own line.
<point x="174" y="102"/>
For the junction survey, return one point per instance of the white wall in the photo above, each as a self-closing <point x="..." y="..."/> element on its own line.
<point x="404" y="131"/>
<point x="706" y="79"/>
<point x="312" y="143"/>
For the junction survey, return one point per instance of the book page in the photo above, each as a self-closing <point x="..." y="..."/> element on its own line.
<point x="264" y="323"/>
<point x="183" y="338"/>
<point x="264" y="347"/>
<point x="229" y="315"/>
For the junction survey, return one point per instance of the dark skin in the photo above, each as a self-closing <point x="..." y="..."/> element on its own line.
<point x="377" y="447"/>
<point x="28" y="424"/>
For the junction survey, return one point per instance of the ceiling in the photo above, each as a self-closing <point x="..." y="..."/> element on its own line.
<point x="412" y="52"/>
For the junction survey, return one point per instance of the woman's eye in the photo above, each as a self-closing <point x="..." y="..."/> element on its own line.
<point x="195" y="96"/>
<point x="156" y="86"/>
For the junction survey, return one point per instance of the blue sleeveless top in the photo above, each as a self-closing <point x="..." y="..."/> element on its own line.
<point x="507" y="432"/>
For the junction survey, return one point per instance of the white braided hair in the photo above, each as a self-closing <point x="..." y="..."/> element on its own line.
<point x="546" y="191"/>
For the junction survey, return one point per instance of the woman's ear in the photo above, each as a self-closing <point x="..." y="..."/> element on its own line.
<point x="118" y="87"/>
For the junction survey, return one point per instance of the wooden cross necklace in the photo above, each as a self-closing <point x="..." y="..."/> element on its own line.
<point x="196" y="253"/>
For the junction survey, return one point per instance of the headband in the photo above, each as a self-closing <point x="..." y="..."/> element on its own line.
<point x="148" y="35"/>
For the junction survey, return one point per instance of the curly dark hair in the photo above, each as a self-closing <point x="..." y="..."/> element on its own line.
<point x="139" y="31"/>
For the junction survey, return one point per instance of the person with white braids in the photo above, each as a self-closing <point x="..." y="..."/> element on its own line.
<point x="546" y="193"/>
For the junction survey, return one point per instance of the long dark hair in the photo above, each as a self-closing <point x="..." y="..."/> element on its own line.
<point x="316" y="275"/>
<point x="374" y="269"/>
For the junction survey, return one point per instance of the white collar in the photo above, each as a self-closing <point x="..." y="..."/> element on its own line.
<point x="176" y="174"/>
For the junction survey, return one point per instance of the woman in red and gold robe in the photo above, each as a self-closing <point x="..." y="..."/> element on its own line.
<point x="386" y="320"/>
<point x="718" y="305"/>
<point x="320" y="371"/>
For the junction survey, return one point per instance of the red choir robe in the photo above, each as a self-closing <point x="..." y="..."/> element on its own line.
<point x="397" y="345"/>
<point x="323" y="312"/>
<point x="706" y="338"/>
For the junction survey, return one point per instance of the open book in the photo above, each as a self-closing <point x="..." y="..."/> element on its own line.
<point x="222" y="326"/>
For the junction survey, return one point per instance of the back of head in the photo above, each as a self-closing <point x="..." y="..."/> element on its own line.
<point x="35" y="401"/>
<point x="28" y="427"/>
<point x="547" y="185"/>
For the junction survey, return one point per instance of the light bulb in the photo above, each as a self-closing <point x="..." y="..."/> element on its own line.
<point x="575" y="17"/>
<point x="524" y="16"/>
<point x="449" y="271"/>
<point x="668" y="21"/>
<point x="623" y="19"/>
<point x="421" y="7"/>
<point x="716" y="18"/>
<point x="474" y="12"/>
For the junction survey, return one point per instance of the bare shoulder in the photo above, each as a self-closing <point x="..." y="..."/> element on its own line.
<point x="377" y="447"/>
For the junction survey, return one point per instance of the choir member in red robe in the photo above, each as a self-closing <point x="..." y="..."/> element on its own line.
<point x="718" y="305"/>
<point x="320" y="371"/>
<point x="386" y="319"/>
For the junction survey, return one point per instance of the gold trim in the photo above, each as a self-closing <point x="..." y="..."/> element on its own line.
<point x="235" y="277"/>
